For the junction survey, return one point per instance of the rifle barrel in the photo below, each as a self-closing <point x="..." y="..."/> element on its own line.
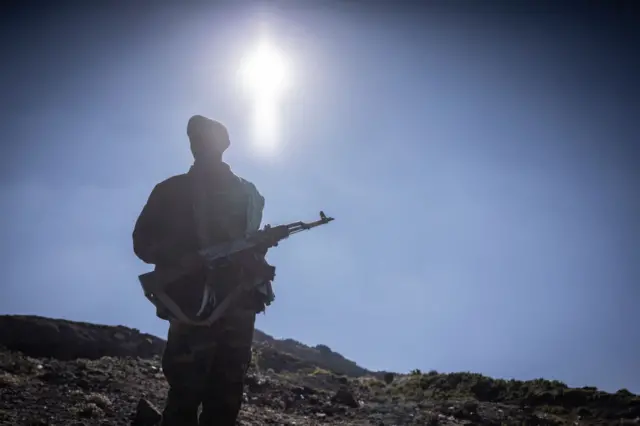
<point x="302" y="226"/>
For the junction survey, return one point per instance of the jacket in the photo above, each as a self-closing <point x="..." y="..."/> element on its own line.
<point x="170" y="224"/>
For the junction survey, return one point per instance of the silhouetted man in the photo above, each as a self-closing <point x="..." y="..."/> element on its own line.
<point x="208" y="205"/>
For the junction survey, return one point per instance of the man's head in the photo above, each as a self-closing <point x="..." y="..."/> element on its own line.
<point x="209" y="138"/>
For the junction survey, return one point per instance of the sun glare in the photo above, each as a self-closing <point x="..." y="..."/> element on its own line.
<point x="264" y="71"/>
<point x="265" y="76"/>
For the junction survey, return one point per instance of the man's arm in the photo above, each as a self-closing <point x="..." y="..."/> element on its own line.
<point x="148" y="237"/>
<point x="255" y="207"/>
<point x="255" y="210"/>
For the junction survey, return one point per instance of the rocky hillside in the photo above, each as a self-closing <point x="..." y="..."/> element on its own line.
<point x="65" y="340"/>
<point x="55" y="372"/>
<point x="321" y="356"/>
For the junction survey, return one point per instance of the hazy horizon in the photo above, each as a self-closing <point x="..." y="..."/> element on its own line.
<point x="481" y="162"/>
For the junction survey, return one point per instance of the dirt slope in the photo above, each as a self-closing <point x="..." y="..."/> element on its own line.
<point x="55" y="372"/>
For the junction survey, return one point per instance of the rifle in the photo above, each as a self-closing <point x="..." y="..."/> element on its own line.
<point x="154" y="283"/>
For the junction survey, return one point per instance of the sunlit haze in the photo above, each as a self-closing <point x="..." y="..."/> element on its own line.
<point x="265" y="76"/>
<point x="481" y="159"/>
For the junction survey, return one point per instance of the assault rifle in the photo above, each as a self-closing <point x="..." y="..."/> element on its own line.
<point x="155" y="283"/>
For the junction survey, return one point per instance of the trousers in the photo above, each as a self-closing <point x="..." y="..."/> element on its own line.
<point x="206" y="366"/>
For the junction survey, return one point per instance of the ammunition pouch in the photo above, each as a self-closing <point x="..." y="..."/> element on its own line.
<point x="263" y="296"/>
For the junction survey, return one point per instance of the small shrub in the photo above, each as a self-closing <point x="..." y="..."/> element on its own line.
<point x="376" y="384"/>
<point x="576" y="397"/>
<point x="319" y="370"/>
<point x="99" y="399"/>
<point x="88" y="411"/>
<point x="553" y="409"/>
<point x="324" y="349"/>
<point x="8" y="380"/>
<point x="624" y="393"/>
<point x="388" y="378"/>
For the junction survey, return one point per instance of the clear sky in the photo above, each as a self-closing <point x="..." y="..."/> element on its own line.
<point x="481" y="163"/>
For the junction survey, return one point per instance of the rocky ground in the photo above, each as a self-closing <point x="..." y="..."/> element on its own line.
<point x="99" y="375"/>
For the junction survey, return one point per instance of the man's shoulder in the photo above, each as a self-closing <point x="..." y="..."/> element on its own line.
<point x="256" y="203"/>
<point x="251" y="189"/>
<point x="172" y="183"/>
<point x="246" y="184"/>
<point x="249" y="186"/>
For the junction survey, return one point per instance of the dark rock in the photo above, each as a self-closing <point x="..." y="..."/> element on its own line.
<point x="255" y="384"/>
<point x="388" y="378"/>
<point x="333" y="410"/>
<point x="469" y="411"/>
<point x="584" y="412"/>
<point x="345" y="397"/>
<point x="575" y="397"/>
<point x="289" y="403"/>
<point x="57" y="377"/>
<point x="485" y="391"/>
<point x="65" y="340"/>
<point x="304" y="390"/>
<point x="313" y="400"/>
<point x="541" y="398"/>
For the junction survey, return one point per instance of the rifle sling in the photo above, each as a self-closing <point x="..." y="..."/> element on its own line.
<point x="157" y="290"/>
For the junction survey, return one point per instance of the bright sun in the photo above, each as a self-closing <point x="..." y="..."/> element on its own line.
<point x="265" y="76"/>
<point x="264" y="71"/>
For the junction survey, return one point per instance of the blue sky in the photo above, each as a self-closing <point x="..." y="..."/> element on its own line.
<point x="482" y="168"/>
